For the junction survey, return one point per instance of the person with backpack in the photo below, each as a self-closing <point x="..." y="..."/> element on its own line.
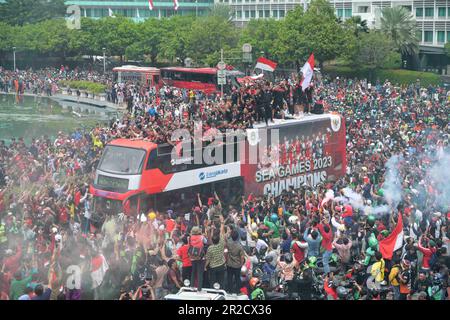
<point x="196" y="252"/>
<point x="183" y="256"/>
<point x="235" y="260"/>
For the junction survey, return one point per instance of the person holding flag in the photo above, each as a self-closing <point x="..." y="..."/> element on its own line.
<point x="307" y="84"/>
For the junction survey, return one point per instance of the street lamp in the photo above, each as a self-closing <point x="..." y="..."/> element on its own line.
<point x="14" y="58"/>
<point x="104" y="60"/>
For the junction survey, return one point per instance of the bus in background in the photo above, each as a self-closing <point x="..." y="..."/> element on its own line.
<point x="148" y="75"/>
<point x="135" y="176"/>
<point x="203" y="79"/>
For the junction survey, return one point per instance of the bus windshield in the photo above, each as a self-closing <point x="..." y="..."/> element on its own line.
<point x="122" y="160"/>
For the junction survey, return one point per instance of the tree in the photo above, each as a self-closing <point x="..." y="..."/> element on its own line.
<point x="375" y="51"/>
<point x="207" y="36"/>
<point x="20" y="12"/>
<point x="114" y="34"/>
<point x="221" y="10"/>
<point x="262" y="34"/>
<point x="315" y="30"/>
<point x="356" y="25"/>
<point x="175" y="37"/>
<point x="446" y="48"/>
<point x="398" y="24"/>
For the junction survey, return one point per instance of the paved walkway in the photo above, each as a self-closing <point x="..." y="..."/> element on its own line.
<point x="74" y="99"/>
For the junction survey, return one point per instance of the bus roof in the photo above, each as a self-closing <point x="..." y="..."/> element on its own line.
<point x="136" y="69"/>
<point x="192" y="70"/>
<point x="138" y="144"/>
<point x="297" y="120"/>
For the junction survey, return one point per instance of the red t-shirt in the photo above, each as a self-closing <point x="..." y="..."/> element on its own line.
<point x="183" y="254"/>
<point x="327" y="238"/>
<point x="170" y="225"/>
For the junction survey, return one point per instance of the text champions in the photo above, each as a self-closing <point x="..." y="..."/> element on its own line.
<point x="296" y="175"/>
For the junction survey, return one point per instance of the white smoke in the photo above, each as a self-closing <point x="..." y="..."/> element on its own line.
<point x="439" y="177"/>
<point x="392" y="187"/>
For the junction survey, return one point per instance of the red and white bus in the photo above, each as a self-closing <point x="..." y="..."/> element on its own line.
<point x="203" y="79"/>
<point x="145" y="75"/>
<point x="135" y="176"/>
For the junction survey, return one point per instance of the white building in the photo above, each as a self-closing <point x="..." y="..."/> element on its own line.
<point x="433" y="17"/>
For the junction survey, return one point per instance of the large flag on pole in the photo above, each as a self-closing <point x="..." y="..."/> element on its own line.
<point x="110" y="12"/>
<point x="175" y="5"/>
<point x="307" y="71"/>
<point x="394" y="241"/>
<point x="150" y="4"/>
<point x="265" y="64"/>
<point x="99" y="266"/>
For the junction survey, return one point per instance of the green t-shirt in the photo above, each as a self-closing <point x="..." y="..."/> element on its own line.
<point x="17" y="287"/>
<point x="272" y="226"/>
<point x="258" y="294"/>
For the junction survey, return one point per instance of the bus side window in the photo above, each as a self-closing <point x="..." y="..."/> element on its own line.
<point x="152" y="163"/>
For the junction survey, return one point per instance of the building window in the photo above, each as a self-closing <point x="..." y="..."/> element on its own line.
<point x="363" y="9"/>
<point x="448" y="36"/>
<point x="340" y="13"/>
<point x="419" y="12"/>
<point x="429" y="12"/>
<point x="267" y="13"/>
<point x="253" y="14"/>
<point x="247" y="14"/>
<point x="441" y="11"/>
<point x="348" y="13"/>
<point x="275" y="13"/>
<point x="239" y="14"/>
<point x="428" y="36"/>
<point x="441" y="36"/>
<point x="281" y="13"/>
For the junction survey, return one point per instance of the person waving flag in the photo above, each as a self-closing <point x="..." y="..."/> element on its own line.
<point x="175" y="5"/>
<point x="307" y="72"/>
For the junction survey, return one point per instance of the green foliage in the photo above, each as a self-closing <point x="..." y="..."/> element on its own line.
<point x="262" y="34"/>
<point x="21" y="12"/>
<point x="374" y="51"/>
<point x="447" y="49"/>
<point x="396" y="76"/>
<point x="401" y="76"/>
<point x="398" y="24"/>
<point x="207" y="36"/>
<point x="315" y="30"/>
<point x="89" y="86"/>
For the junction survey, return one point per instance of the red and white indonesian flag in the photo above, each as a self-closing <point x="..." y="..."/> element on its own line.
<point x="394" y="241"/>
<point x="265" y="64"/>
<point x="175" y="4"/>
<point x="150" y="4"/>
<point x="99" y="267"/>
<point x="307" y="72"/>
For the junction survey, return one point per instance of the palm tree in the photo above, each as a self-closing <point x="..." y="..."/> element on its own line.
<point x="357" y="25"/>
<point x="398" y="24"/>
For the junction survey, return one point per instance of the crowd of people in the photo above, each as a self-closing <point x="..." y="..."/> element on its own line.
<point x="302" y="244"/>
